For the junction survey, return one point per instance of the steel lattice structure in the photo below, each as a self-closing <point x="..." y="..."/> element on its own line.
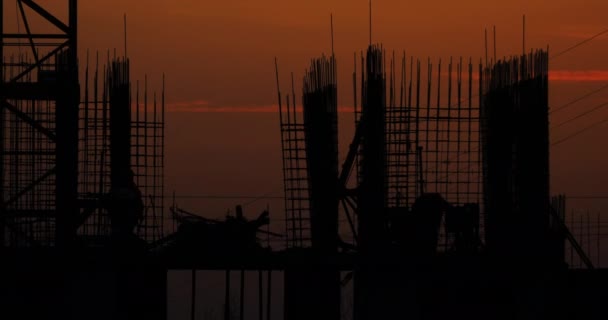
<point x="56" y="144"/>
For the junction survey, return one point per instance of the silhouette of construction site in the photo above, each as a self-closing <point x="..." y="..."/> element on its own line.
<point x="441" y="207"/>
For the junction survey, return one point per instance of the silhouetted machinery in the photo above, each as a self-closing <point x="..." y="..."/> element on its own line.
<point x="417" y="232"/>
<point x="462" y="223"/>
<point x="126" y="209"/>
<point x="210" y="237"/>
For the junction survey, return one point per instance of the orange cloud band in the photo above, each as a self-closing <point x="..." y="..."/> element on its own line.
<point x="578" y="75"/>
<point x="205" y="106"/>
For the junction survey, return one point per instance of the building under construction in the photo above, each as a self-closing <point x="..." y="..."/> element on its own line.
<point x="81" y="174"/>
<point x="451" y="193"/>
<point x="444" y="191"/>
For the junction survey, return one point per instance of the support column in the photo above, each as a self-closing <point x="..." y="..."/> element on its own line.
<point x="66" y="113"/>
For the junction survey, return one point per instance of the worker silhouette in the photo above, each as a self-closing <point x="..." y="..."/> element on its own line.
<point x="242" y="233"/>
<point x="126" y="209"/>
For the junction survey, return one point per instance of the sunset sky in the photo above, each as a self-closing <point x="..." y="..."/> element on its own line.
<point x="222" y="135"/>
<point x="219" y="56"/>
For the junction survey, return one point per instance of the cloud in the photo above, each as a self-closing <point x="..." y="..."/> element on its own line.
<point x="186" y="106"/>
<point x="578" y="75"/>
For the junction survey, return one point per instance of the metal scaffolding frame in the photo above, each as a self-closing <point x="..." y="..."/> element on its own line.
<point x="39" y="129"/>
<point x="56" y="165"/>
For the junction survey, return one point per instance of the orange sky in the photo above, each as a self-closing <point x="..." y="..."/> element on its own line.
<point x="221" y="52"/>
<point x="219" y="55"/>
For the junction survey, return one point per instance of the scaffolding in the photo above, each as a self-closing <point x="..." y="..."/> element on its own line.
<point x="148" y="154"/>
<point x="144" y="153"/>
<point x="591" y="231"/>
<point x="57" y="160"/>
<point x="320" y="115"/>
<point x="39" y="129"/>
<point x="316" y="292"/>
<point x="295" y="172"/>
<point x="432" y="140"/>
<point x="516" y="158"/>
<point x="28" y="164"/>
<point x="95" y="165"/>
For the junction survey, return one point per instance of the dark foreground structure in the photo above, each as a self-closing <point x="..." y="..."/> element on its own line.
<point x="80" y="177"/>
<point x="450" y="214"/>
<point x="446" y="203"/>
